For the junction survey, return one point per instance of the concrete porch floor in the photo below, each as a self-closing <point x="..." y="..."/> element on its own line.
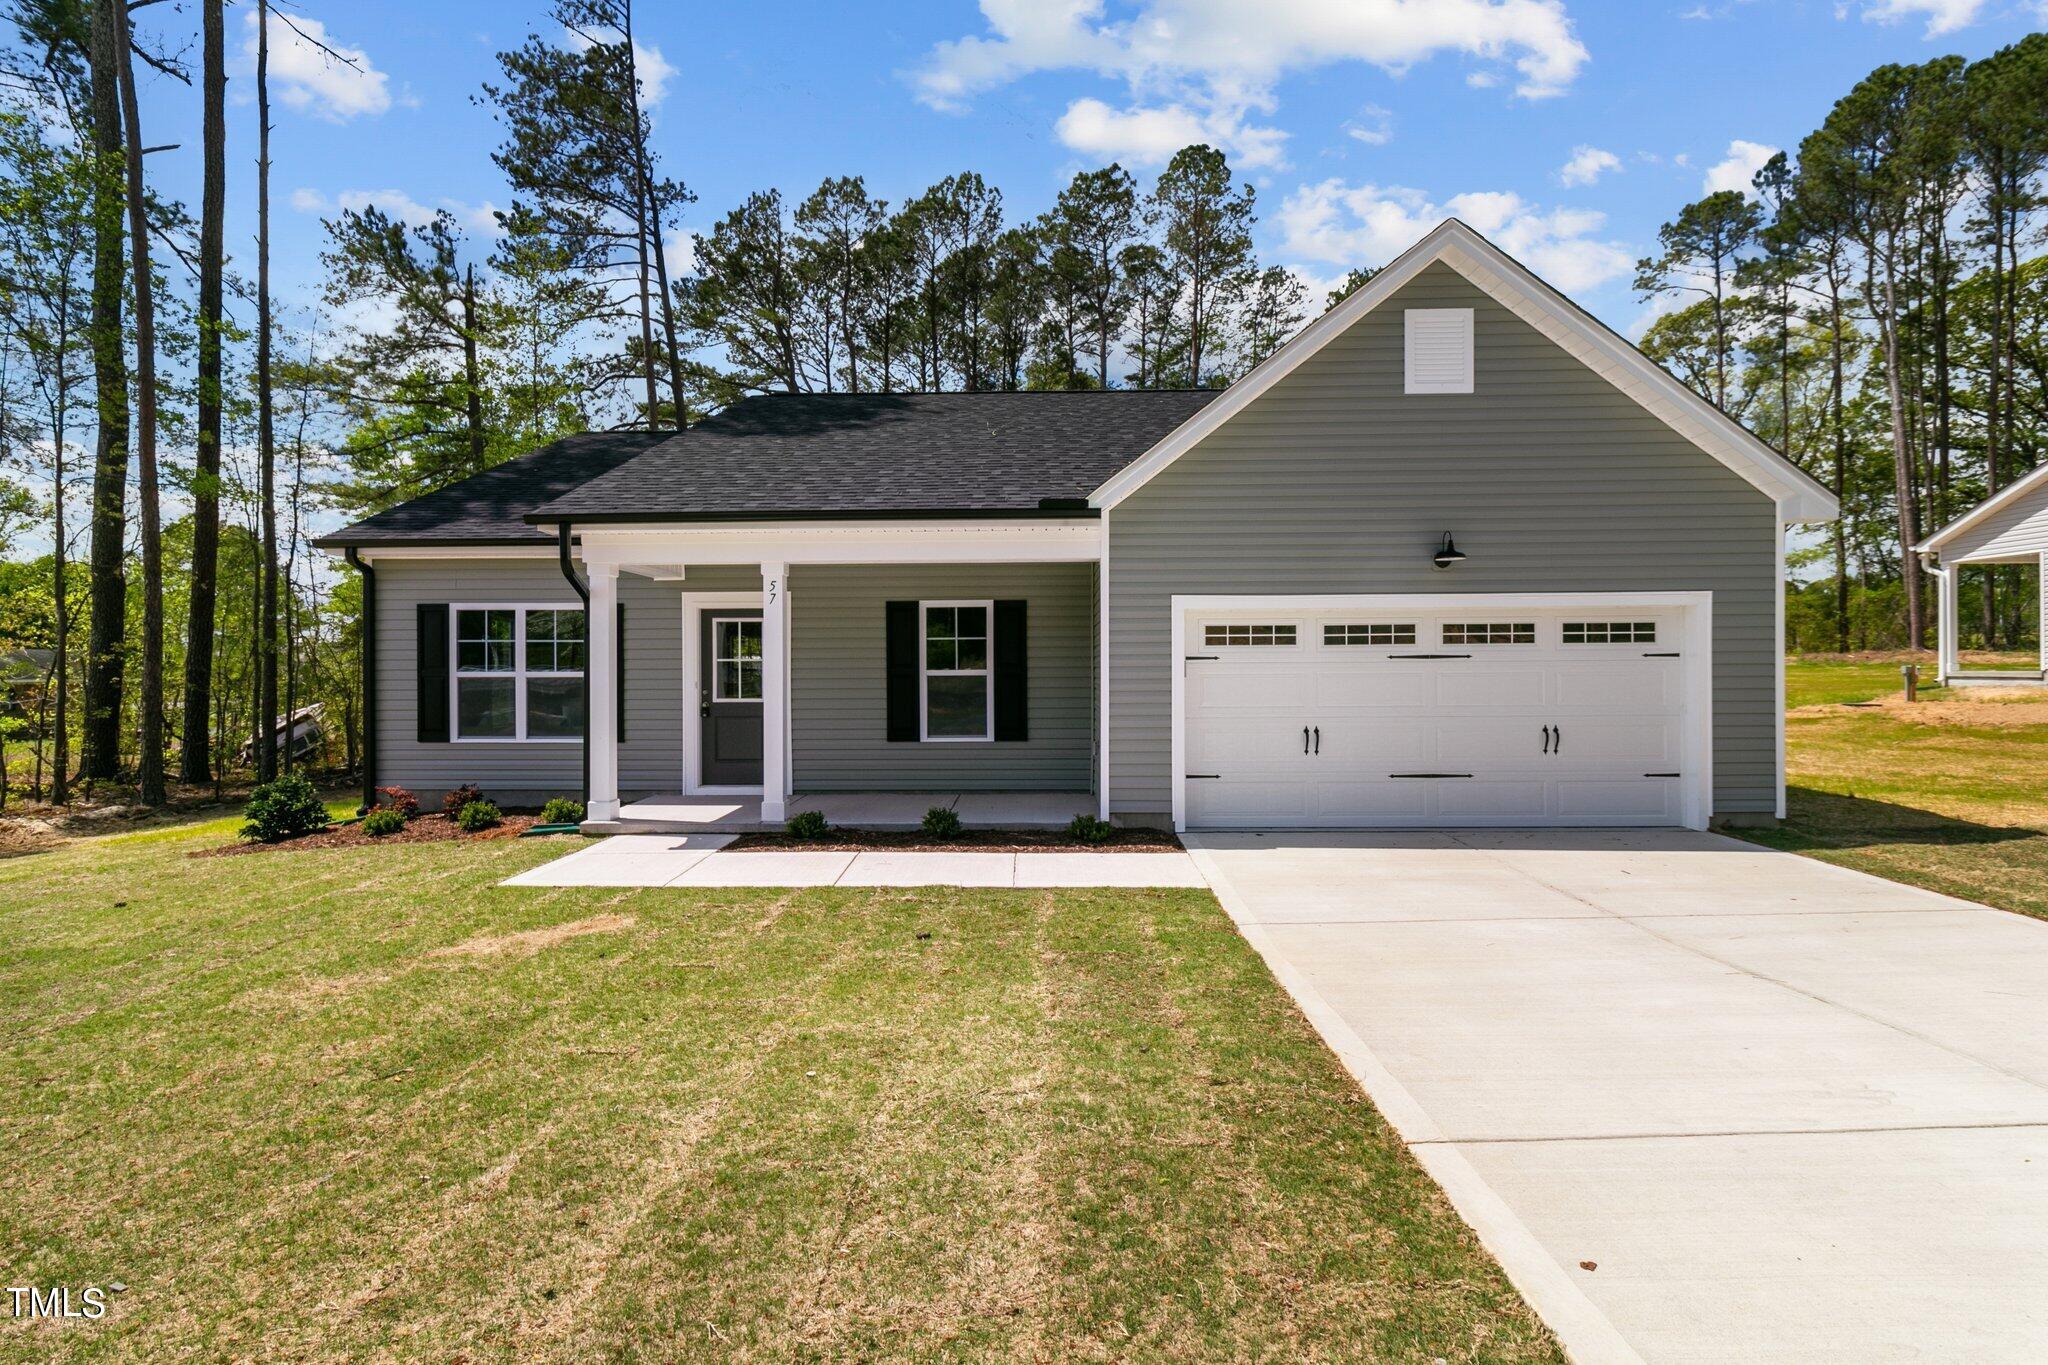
<point x="849" y="810"/>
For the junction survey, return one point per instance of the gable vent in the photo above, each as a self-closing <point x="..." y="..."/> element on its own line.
<point x="1439" y="350"/>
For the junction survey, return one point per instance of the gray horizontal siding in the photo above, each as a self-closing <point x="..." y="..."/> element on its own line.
<point x="1336" y="481"/>
<point x="651" y="758"/>
<point x="838" y="698"/>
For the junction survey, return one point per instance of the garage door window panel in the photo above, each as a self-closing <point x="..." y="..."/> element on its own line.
<point x="1338" y="635"/>
<point x="1260" y="636"/>
<point x="1490" y="632"/>
<point x="1610" y="632"/>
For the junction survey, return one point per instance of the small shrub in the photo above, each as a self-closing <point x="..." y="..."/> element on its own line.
<point x="476" y="816"/>
<point x="284" y="809"/>
<point x="942" y="822"/>
<point x="382" y="820"/>
<point x="808" y="824"/>
<point x="399" y="799"/>
<point x="562" y="811"/>
<point x="1086" y="829"/>
<point x="454" y="801"/>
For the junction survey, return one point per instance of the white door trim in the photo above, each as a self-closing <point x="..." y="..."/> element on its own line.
<point x="695" y="604"/>
<point x="1697" y="642"/>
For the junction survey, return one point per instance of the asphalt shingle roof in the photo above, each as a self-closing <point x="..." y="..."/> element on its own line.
<point x="883" y="454"/>
<point x="490" y="508"/>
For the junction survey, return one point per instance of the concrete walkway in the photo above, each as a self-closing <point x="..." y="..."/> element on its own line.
<point x="698" y="860"/>
<point x="1706" y="1102"/>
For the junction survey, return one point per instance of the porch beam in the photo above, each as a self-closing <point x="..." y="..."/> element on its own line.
<point x="627" y="547"/>
<point x="774" y="690"/>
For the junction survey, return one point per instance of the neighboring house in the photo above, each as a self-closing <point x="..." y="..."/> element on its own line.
<point x="2010" y="527"/>
<point x="1200" y="608"/>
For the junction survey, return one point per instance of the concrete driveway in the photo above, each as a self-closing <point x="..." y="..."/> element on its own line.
<point x="1705" y="1101"/>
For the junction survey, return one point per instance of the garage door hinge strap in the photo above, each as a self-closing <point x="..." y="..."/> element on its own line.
<point x="1429" y="656"/>
<point x="1199" y="777"/>
<point x="1663" y="774"/>
<point x="1672" y="654"/>
<point x="1429" y="774"/>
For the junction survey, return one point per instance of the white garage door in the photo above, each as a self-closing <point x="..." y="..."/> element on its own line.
<point x="1400" y="718"/>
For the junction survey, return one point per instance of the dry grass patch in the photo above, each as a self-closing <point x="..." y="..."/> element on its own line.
<point x="527" y="942"/>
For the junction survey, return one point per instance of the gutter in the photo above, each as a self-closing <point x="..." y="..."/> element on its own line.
<point x="583" y="593"/>
<point x="367" y="658"/>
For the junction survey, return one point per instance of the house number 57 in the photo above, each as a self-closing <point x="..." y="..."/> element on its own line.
<point x="774" y="587"/>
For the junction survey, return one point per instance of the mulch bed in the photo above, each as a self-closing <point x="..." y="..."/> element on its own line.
<point x="970" y="841"/>
<point x="421" y="829"/>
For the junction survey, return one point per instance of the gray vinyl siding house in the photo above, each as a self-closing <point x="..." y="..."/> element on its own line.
<point x="1199" y="609"/>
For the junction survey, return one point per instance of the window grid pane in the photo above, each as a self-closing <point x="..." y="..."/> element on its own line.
<point x="956" y="672"/>
<point x="1369" y="634"/>
<point x="1610" y="632"/>
<point x="1234" y="636"/>
<point x="1490" y="633"/>
<point x="736" y="656"/>
<point x="485" y="642"/>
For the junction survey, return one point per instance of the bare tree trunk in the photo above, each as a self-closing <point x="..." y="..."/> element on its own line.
<point x="266" y="436"/>
<point x="472" y="376"/>
<point x="195" y="758"/>
<point x="151" y="765"/>
<point x="60" y="749"/>
<point x="107" y="640"/>
<point x="1902" y="461"/>
<point x="1841" y="471"/>
<point x="651" y="222"/>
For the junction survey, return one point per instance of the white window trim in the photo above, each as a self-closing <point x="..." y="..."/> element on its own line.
<point x="518" y="675"/>
<point x="717" y="659"/>
<point x="987" y="673"/>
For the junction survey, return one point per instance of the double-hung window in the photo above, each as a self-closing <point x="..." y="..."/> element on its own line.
<point x="956" y="699"/>
<point x="519" y="673"/>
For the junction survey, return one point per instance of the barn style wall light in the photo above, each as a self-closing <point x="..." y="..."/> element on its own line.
<point x="1447" y="554"/>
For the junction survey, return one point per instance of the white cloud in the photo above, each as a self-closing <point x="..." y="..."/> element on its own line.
<point x="312" y="81"/>
<point x="1482" y="80"/>
<point x="1738" y="169"/>
<point x="1217" y="61"/>
<point x="1374" y="126"/>
<point x="1148" y="136"/>
<point x="1943" y="16"/>
<point x="1349" y="225"/>
<point x="401" y="206"/>
<point x="655" y="71"/>
<point x="1587" y="165"/>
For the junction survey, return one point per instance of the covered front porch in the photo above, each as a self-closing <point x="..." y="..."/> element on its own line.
<point x="866" y="670"/>
<point x="2009" y="528"/>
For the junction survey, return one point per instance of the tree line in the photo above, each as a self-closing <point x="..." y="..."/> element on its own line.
<point x="1877" y="308"/>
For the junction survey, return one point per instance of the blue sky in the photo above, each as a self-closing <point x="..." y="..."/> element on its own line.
<point x="1567" y="129"/>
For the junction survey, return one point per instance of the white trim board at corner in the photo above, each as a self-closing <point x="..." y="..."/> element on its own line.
<point x="1697" y="646"/>
<point x="1516" y="288"/>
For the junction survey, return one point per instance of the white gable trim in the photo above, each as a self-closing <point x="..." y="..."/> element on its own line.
<point x="1799" y="497"/>
<point x="2033" y="482"/>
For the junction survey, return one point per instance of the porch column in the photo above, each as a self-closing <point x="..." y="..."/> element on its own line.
<point x="774" y="691"/>
<point x="602" y="722"/>
<point x="2041" y="604"/>
<point x="1948" y="621"/>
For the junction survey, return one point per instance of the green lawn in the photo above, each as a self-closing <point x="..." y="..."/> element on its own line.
<point x="345" y="1105"/>
<point x="1951" y="794"/>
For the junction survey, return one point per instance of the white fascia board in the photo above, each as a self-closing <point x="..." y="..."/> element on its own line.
<point x="995" y="542"/>
<point x="2005" y="497"/>
<point x="377" y="554"/>
<point x="1799" y="496"/>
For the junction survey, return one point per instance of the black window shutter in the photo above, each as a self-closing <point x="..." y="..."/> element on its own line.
<point x="431" y="669"/>
<point x="621" y="657"/>
<point x="1013" y="673"/>
<point x="904" y="652"/>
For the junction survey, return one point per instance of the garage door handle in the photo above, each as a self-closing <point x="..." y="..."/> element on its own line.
<point x="1304" y="739"/>
<point x="1319" y="739"/>
<point x="1546" y="739"/>
<point x="1557" y="739"/>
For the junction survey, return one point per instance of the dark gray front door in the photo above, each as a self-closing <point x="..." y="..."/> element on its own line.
<point x="729" y="705"/>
